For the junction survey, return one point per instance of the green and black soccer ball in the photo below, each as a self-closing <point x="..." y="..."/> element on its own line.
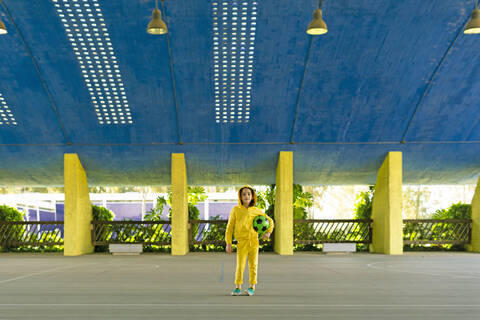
<point x="260" y="224"/>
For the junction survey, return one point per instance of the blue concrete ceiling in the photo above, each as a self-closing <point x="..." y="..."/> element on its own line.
<point x="83" y="76"/>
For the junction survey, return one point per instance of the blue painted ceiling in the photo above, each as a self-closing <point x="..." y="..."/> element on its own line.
<point x="388" y="76"/>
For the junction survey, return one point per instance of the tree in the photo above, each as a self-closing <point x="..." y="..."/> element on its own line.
<point x="455" y="211"/>
<point x="301" y="201"/>
<point x="194" y="196"/>
<point x="363" y="205"/>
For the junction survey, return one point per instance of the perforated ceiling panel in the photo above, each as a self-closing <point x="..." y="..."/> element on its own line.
<point x="88" y="34"/>
<point x="234" y="27"/>
<point x="6" y="115"/>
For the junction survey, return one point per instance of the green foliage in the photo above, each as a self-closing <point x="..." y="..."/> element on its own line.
<point x="439" y="231"/>
<point x="301" y="201"/>
<point x="8" y="213"/>
<point x="215" y="233"/>
<point x="266" y="200"/>
<point x="15" y="232"/>
<point x="155" y="214"/>
<point x="363" y="205"/>
<point x="194" y="196"/>
<point x="138" y="233"/>
<point x="102" y="214"/>
<point x="455" y="211"/>
<point x="193" y="212"/>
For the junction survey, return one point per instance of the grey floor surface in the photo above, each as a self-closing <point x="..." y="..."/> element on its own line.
<point x="198" y="286"/>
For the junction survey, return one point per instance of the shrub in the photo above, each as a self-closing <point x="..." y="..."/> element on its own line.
<point x="455" y="211"/>
<point x="101" y="214"/>
<point x="363" y="206"/>
<point x="8" y="213"/>
<point x="15" y="232"/>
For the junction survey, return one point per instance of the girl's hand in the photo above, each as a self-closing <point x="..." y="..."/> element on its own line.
<point x="266" y="236"/>
<point x="228" y="249"/>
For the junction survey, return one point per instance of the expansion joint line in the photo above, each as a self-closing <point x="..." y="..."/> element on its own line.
<point x="292" y="136"/>
<point x="180" y="142"/>
<point x="430" y="81"/>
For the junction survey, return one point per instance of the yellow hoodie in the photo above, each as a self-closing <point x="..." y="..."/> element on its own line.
<point x="240" y="220"/>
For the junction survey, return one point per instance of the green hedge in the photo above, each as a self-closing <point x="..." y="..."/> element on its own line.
<point x="8" y="213"/>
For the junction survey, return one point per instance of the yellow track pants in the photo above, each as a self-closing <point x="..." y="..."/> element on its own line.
<point x="247" y="248"/>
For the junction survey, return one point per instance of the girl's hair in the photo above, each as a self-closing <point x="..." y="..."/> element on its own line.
<point x="252" y="202"/>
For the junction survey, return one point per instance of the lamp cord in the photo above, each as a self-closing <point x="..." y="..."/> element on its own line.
<point x="156" y="4"/>
<point x="319" y="6"/>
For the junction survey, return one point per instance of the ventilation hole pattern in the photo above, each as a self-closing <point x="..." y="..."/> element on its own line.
<point x="234" y="28"/>
<point x="88" y="34"/>
<point x="6" y="115"/>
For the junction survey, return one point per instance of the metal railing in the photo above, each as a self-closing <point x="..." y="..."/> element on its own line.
<point x="207" y="231"/>
<point x="140" y="232"/>
<point x="418" y="231"/>
<point x="437" y="231"/>
<point x="31" y="233"/>
<point x="312" y="231"/>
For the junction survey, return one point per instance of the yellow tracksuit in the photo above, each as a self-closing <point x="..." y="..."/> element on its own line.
<point x="240" y="224"/>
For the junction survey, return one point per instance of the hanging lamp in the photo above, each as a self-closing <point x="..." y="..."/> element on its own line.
<point x="3" y="30"/>
<point x="157" y="25"/>
<point x="317" y="26"/>
<point x="473" y="25"/>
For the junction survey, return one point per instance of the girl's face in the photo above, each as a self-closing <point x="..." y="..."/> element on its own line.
<point x="246" y="196"/>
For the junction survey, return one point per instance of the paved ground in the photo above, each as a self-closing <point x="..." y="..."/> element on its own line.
<point x="197" y="286"/>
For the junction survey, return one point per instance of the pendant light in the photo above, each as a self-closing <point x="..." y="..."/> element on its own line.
<point x="473" y="25"/>
<point x="157" y="25"/>
<point x="317" y="26"/>
<point x="3" y="30"/>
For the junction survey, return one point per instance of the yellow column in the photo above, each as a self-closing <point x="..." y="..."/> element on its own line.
<point x="78" y="208"/>
<point x="475" y="243"/>
<point x="387" y="207"/>
<point x="179" y="205"/>
<point x="284" y="204"/>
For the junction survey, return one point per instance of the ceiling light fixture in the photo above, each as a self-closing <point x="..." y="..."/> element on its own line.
<point x="3" y="30"/>
<point x="473" y="25"/>
<point x="317" y="26"/>
<point x="157" y="25"/>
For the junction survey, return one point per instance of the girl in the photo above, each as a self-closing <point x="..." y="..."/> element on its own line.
<point x="240" y="223"/>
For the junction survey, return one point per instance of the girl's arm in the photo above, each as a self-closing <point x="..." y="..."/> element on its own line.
<point x="230" y="227"/>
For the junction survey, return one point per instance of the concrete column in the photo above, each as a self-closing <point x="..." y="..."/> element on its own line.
<point x="475" y="243"/>
<point x="179" y="205"/>
<point x="78" y="209"/>
<point x="387" y="207"/>
<point x="284" y="204"/>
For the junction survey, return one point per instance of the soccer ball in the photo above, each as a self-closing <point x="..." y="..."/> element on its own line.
<point x="260" y="224"/>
